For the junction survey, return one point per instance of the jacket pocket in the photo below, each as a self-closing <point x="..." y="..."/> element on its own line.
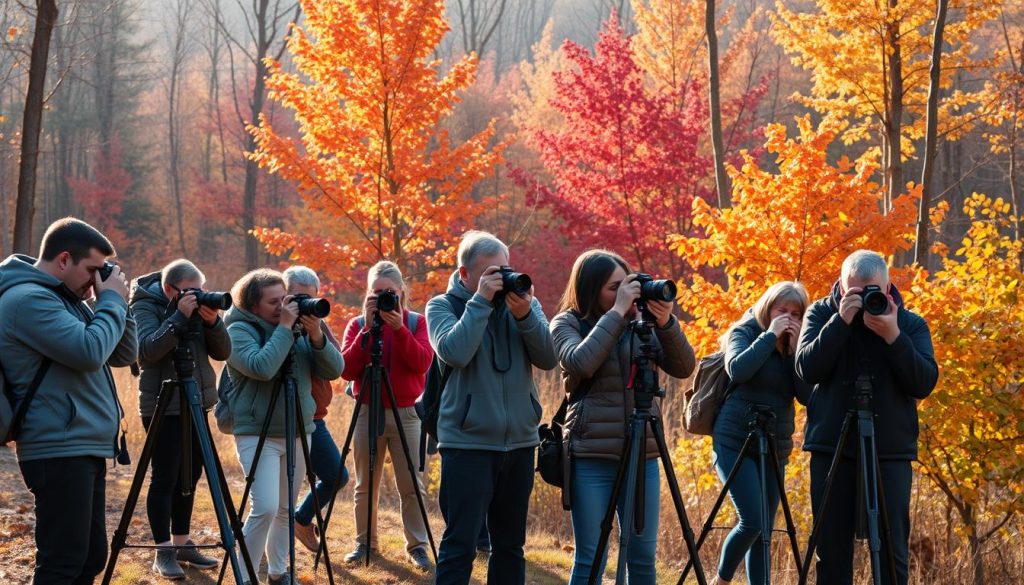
<point x="465" y="411"/>
<point x="537" y="408"/>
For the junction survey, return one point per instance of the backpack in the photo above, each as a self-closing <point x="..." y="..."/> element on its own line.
<point x="10" y="421"/>
<point x="711" y="387"/>
<point x="428" y="405"/>
<point x="414" y="321"/>
<point x="222" y="410"/>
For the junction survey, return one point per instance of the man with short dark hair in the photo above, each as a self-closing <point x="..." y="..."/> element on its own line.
<point x="840" y="342"/>
<point x="53" y="341"/>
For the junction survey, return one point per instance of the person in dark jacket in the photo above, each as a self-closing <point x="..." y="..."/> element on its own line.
<point x="164" y="306"/>
<point x="839" y="342"/>
<point x="595" y="366"/>
<point x="489" y="411"/>
<point x="407" y="355"/>
<point x="759" y="358"/>
<point x="324" y="456"/>
<point x="73" y="422"/>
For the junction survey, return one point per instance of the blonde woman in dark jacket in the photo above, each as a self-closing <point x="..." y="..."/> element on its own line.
<point x="593" y="343"/>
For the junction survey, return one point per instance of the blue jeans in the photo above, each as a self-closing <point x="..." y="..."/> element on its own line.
<point x="591" y="489"/>
<point x="325" y="460"/>
<point x="745" y="493"/>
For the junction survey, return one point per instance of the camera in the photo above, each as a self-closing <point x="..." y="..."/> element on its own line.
<point x="106" y="269"/>
<point x="875" y="301"/>
<point x="214" y="300"/>
<point x="308" y="305"/>
<point x="388" y="301"/>
<point x="655" y="290"/>
<point x="516" y="282"/>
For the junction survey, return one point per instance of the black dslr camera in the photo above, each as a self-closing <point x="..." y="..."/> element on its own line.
<point x="653" y="290"/>
<point x="512" y="281"/>
<point x="106" y="269"/>
<point x="308" y="305"/>
<point x="875" y="301"/>
<point x="214" y="300"/>
<point x="388" y="301"/>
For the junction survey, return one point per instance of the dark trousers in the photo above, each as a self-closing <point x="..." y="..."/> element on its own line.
<point x="71" y="535"/>
<point x="325" y="460"/>
<point x="835" y="543"/>
<point x="476" y="485"/>
<point x="168" y="510"/>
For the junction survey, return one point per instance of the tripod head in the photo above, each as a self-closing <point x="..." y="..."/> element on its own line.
<point x="863" y="389"/>
<point x="184" y="357"/>
<point x="643" y="378"/>
<point x="760" y="416"/>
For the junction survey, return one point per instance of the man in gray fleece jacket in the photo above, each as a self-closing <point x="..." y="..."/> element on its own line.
<point x="487" y="423"/>
<point x="72" y="424"/>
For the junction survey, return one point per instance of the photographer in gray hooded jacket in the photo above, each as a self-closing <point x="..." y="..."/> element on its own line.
<point x="73" y="422"/>
<point x="164" y="303"/>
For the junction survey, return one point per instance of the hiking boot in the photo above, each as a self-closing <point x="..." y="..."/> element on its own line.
<point x="285" y="579"/>
<point x="358" y="555"/>
<point x="306" y="534"/>
<point x="166" y="565"/>
<point x="190" y="554"/>
<point x="418" y="558"/>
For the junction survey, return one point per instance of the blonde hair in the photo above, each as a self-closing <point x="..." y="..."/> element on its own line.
<point x="389" y="270"/>
<point x="780" y="292"/>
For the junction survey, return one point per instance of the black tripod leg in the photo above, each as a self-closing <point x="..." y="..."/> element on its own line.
<point x="887" y="539"/>
<point x="820" y="516"/>
<point x="186" y="441"/>
<point x="121" y="533"/>
<point x="773" y="452"/>
<point x="311" y="479"/>
<point x="416" y="480"/>
<point x="677" y="499"/>
<point x="373" y="432"/>
<point x="251" y="476"/>
<point x="709" y="523"/>
<point x="291" y="399"/>
<point x="766" y="517"/>
<point x="337" y="483"/>
<point x="879" y="532"/>
<point x="609" y="515"/>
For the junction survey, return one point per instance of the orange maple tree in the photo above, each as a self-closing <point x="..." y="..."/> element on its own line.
<point x="377" y="171"/>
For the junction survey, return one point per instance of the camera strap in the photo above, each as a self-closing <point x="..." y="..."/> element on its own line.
<point x="19" y="416"/>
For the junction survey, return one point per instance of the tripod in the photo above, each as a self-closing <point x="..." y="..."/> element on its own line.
<point x="376" y="378"/>
<point x="292" y="416"/>
<point x="192" y="416"/>
<point x="872" y="515"/>
<point x="644" y="385"/>
<point x="759" y="427"/>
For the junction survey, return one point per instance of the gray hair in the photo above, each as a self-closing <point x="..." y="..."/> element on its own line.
<point x="301" y="275"/>
<point x="863" y="265"/>
<point x="179" y="271"/>
<point x="477" y="243"/>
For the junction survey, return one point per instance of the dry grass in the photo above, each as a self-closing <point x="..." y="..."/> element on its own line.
<point x="937" y="554"/>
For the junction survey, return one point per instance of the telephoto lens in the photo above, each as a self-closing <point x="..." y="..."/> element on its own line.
<point x="875" y="301"/>
<point x="387" y="301"/>
<point x="656" y="290"/>
<point x="308" y="305"/>
<point x="516" y="282"/>
<point x="214" y="300"/>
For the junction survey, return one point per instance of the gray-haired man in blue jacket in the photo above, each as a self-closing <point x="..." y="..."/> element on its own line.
<point x="73" y="422"/>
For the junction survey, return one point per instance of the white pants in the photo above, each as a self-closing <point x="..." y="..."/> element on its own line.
<point x="266" y="527"/>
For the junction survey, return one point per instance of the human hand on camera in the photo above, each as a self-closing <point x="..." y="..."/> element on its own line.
<point x="662" y="311"/>
<point x="115" y="282"/>
<point x="626" y="295"/>
<point x="369" y="308"/>
<point x="208" y="314"/>
<point x="779" y="325"/>
<point x="289" y="311"/>
<point x="851" y="304"/>
<point x="884" y="325"/>
<point x="490" y="283"/>
<point x="392" y="319"/>
<point x="519" y="305"/>
<point x="187" y="304"/>
<point x="313" y="328"/>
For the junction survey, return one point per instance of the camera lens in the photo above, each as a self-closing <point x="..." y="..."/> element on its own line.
<point x="214" y="300"/>
<point x="875" y="301"/>
<point x="516" y="282"/>
<point x="387" y="301"/>
<point x="318" y="308"/>
<point x="657" y="290"/>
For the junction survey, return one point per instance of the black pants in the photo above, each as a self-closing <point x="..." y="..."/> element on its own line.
<point x="170" y="512"/>
<point x="71" y="535"/>
<point x="835" y="543"/>
<point x="476" y="485"/>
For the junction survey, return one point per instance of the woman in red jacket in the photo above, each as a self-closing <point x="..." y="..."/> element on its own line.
<point x="406" y="356"/>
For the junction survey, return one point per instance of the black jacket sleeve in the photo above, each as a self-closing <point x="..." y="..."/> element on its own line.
<point x="822" y="339"/>
<point x="913" y="359"/>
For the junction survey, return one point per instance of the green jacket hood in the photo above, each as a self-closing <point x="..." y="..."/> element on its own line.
<point x="457" y="288"/>
<point x="148" y="288"/>
<point x="20" y="269"/>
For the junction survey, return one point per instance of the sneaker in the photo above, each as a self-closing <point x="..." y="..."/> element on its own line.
<point x="418" y="558"/>
<point x="282" y="580"/>
<point x="357" y="555"/>
<point x="190" y="554"/>
<point x="166" y="565"/>
<point x="306" y="534"/>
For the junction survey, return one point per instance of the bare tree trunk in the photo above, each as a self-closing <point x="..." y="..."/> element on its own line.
<point x="179" y="53"/>
<point x="931" y="135"/>
<point x="31" y="125"/>
<point x="715" y="108"/>
<point x="894" y="110"/>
